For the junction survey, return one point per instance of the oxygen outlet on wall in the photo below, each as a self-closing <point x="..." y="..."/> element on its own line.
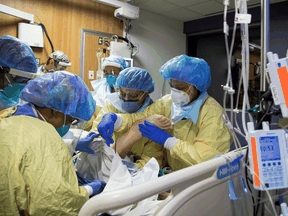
<point x="91" y="74"/>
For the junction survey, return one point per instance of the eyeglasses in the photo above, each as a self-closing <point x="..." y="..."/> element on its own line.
<point x="130" y="96"/>
<point x="180" y="86"/>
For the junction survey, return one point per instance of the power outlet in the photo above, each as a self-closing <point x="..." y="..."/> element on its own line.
<point x="91" y="74"/>
<point x="100" y="40"/>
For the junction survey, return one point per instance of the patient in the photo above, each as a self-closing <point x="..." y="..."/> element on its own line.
<point x="133" y="86"/>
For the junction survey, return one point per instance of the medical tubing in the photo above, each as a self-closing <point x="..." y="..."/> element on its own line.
<point x="245" y="98"/>
<point x="273" y="198"/>
<point x="245" y="59"/>
<point x="137" y="49"/>
<point x="278" y="124"/>
<point x="261" y="182"/>
<point x="246" y="177"/>
<point x="224" y="103"/>
<point x="238" y="142"/>
<point x="247" y="63"/>
<point x="126" y="40"/>
<point x="239" y="89"/>
<point x="236" y="122"/>
<point x="268" y="209"/>
<point x="230" y="128"/>
<point x="243" y="116"/>
<point x="239" y="132"/>
<point x="246" y="69"/>
<point x="229" y="54"/>
<point x="261" y="120"/>
<point x="231" y="110"/>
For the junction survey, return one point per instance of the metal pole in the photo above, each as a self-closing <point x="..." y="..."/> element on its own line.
<point x="264" y="42"/>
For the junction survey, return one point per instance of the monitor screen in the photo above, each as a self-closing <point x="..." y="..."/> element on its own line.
<point x="269" y="146"/>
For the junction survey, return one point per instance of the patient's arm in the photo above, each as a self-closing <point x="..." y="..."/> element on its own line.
<point x="127" y="140"/>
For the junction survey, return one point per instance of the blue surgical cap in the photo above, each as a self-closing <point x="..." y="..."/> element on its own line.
<point x="62" y="91"/>
<point x="195" y="71"/>
<point x="116" y="61"/>
<point x="135" y="78"/>
<point x="18" y="55"/>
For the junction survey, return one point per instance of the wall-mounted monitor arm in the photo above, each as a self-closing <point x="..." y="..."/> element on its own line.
<point x="17" y="13"/>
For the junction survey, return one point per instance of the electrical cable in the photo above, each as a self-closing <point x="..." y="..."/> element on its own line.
<point x="265" y="188"/>
<point x="126" y="40"/>
<point x="261" y="120"/>
<point x="45" y="31"/>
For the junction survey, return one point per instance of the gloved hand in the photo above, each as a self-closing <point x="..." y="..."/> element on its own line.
<point x="154" y="133"/>
<point x="97" y="187"/>
<point x="107" y="124"/>
<point x="83" y="144"/>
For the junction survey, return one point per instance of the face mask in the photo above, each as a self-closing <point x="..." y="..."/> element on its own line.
<point x="9" y="96"/>
<point x="111" y="79"/>
<point x="61" y="130"/>
<point x="179" y="97"/>
<point x="130" y="106"/>
<point x="64" y="129"/>
<point x="6" y="102"/>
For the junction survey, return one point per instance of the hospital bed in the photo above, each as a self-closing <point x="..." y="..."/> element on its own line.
<point x="197" y="190"/>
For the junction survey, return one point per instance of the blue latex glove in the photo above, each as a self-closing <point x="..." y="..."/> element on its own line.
<point x="107" y="124"/>
<point x="83" y="144"/>
<point x="154" y="133"/>
<point x="97" y="186"/>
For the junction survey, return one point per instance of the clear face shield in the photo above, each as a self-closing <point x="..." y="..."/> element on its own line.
<point x="71" y="138"/>
<point x="61" y="65"/>
<point x="6" y="79"/>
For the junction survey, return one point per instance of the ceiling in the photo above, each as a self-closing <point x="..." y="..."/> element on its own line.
<point x="187" y="10"/>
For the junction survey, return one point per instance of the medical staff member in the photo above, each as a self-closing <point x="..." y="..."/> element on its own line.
<point x="37" y="172"/>
<point x="111" y="67"/>
<point x="199" y="132"/>
<point x="17" y="66"/>
<point x="133" y="87"/>
<point x="56" y="61"/>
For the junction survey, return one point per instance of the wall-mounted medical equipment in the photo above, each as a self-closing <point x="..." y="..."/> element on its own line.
<point x="120" y="49"/>
<point x="126" y="13"/>
<point x="278" y="75"/>
<point x="268" y="157"/>
<point x="31" y="34"/>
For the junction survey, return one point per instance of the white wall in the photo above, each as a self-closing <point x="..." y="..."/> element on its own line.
<point x="160" y="39"/>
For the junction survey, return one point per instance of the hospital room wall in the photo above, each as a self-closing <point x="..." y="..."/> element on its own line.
<point x="63" y="20"/>
<point x="160" y="38"/>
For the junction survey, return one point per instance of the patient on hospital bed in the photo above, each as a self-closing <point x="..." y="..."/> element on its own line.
<point x="118" y="173"/>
